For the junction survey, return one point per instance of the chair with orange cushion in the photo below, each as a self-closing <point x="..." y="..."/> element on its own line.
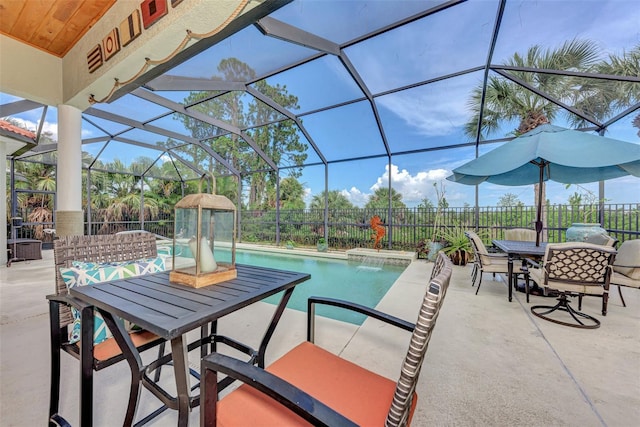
<point x="94" y="249"/>
<point x="311" y="386"/>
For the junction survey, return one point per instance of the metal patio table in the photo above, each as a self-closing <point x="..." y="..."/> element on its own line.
<point x="170" y="311"/>
<point x="520" y="250"/>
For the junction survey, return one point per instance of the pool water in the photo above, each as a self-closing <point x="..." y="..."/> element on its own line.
<point x="341" y="279"/>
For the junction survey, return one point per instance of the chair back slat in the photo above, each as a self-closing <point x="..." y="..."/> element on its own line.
<point x="433" y="299"/>
<point x="99" y="249"/>
<point x="579" y="263"/>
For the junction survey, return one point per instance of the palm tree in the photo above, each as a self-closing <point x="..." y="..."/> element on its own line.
<point x="335" y="199"/>
<point x="626" y="93"/>
<point x="507" y="101"/>
<point x="380" y="199"/>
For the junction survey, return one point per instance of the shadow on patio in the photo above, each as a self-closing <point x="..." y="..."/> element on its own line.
<point x="490" y="362"/>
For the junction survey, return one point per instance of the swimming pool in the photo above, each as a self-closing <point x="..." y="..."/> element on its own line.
<point x="329" y="278"/>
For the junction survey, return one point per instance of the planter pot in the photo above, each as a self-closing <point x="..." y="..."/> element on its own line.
<point x="434" y="248"/>
<point x="583" y="231"/>
<point x="323" y="247"/>
<point x="459" y="257"/>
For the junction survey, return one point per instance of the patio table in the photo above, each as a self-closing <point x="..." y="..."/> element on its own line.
<point x="520" y="250"/>
<point x="170" y="311"/>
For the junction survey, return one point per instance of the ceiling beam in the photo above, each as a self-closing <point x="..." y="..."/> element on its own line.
<point x="288" y="33"/>
<point x="179" y="108"/>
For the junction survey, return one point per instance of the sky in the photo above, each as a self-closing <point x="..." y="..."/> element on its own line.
<point x="426" y="116"/>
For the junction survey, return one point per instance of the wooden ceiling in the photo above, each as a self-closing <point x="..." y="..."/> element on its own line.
<point x="54" y="26"/>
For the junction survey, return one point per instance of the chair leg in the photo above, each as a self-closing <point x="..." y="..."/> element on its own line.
<point x="474" y="275"/>
<point x="605" y="302"/>
<point x="56" y="343"/>
<point x="621" y="297"/>
<point x="526" y="286"/>
<point x="563" y="305"/>
<point x="156" y="376"/>
<point x="133" y="359"/>
<point x="479" y="283"/>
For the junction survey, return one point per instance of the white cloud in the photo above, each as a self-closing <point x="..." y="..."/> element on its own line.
<point x="419" y="111"/>
<point x="355" y="196"/>
<point x="308" y="196"/>
<point x="414" y="188"/>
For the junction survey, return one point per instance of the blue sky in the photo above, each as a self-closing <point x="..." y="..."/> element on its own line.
<point x="426" y="116"/>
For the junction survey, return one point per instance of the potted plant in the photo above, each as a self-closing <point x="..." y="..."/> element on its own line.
<point x="322" y="245"/>
<point x="458" y="247"/>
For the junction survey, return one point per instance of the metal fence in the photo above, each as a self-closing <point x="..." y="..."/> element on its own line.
<point x="405" y="228"/>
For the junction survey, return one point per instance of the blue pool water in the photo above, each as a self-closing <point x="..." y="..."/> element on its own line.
<point x="329" y="278"/>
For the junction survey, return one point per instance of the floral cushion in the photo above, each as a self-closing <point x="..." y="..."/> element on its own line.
<point x="87" y="274"/>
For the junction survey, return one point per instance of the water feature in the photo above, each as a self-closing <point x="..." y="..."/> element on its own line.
<point x="372" y="263"/>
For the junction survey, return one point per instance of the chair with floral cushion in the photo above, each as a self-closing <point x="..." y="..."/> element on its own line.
<point x="84" y="260"/>
<point x="312" y="385"/>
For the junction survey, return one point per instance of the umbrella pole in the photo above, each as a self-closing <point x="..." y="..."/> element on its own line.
<point x="538" y="224"/>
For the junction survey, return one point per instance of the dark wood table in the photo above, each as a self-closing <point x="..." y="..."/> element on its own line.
<point x="516" y="249"/>
<point x="170" y="311"/>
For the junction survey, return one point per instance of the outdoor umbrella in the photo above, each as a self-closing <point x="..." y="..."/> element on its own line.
<point x="552" y="153"/>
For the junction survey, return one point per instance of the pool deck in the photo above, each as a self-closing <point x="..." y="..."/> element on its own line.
<point x="490" y="362"/>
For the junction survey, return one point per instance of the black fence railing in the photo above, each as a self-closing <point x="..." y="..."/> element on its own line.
<point x="405" y="228"/>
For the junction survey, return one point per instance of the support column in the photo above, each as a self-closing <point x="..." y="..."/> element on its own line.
<point x="69" y="217"/>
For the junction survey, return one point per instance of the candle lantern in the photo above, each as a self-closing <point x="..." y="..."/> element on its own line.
<point x="204" y="248"/>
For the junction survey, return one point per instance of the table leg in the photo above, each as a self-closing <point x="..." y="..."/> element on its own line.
<point x="132" y="356"/>
<point x="510" y="276"/>
<point x="181" y="370"/>
<point x="272" y="326"/>
<point x="86" y="367"/>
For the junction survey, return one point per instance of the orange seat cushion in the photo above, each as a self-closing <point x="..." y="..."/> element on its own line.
<point x="109" y="348"/>
<point x="360" y="395"/>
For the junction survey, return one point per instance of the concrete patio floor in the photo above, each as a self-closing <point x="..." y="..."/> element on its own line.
<point x="490" y="362"/>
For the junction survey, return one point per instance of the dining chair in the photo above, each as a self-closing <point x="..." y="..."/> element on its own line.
<point x="65" y="326"/>
<point x="626" y="268"/>
<point x="602" y="239"/>
<point x="573" y="269"/>
<point x="312" y="385"/>
<point x="484" y="261"/>
<point x="520" y="234"/>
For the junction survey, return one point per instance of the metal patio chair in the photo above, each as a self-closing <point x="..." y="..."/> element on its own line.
<point x="626" y="268"/>
<point x="97" y="249"/>
<point x="310" y="384"/>
<point x="520" y="234"/>
<point x="573" y="269"/>
<point x="485" y="262"/>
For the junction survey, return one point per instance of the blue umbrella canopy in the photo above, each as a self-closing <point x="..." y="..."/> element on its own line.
<point x="552" y="153"/>
<point x="567" y="156"/>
